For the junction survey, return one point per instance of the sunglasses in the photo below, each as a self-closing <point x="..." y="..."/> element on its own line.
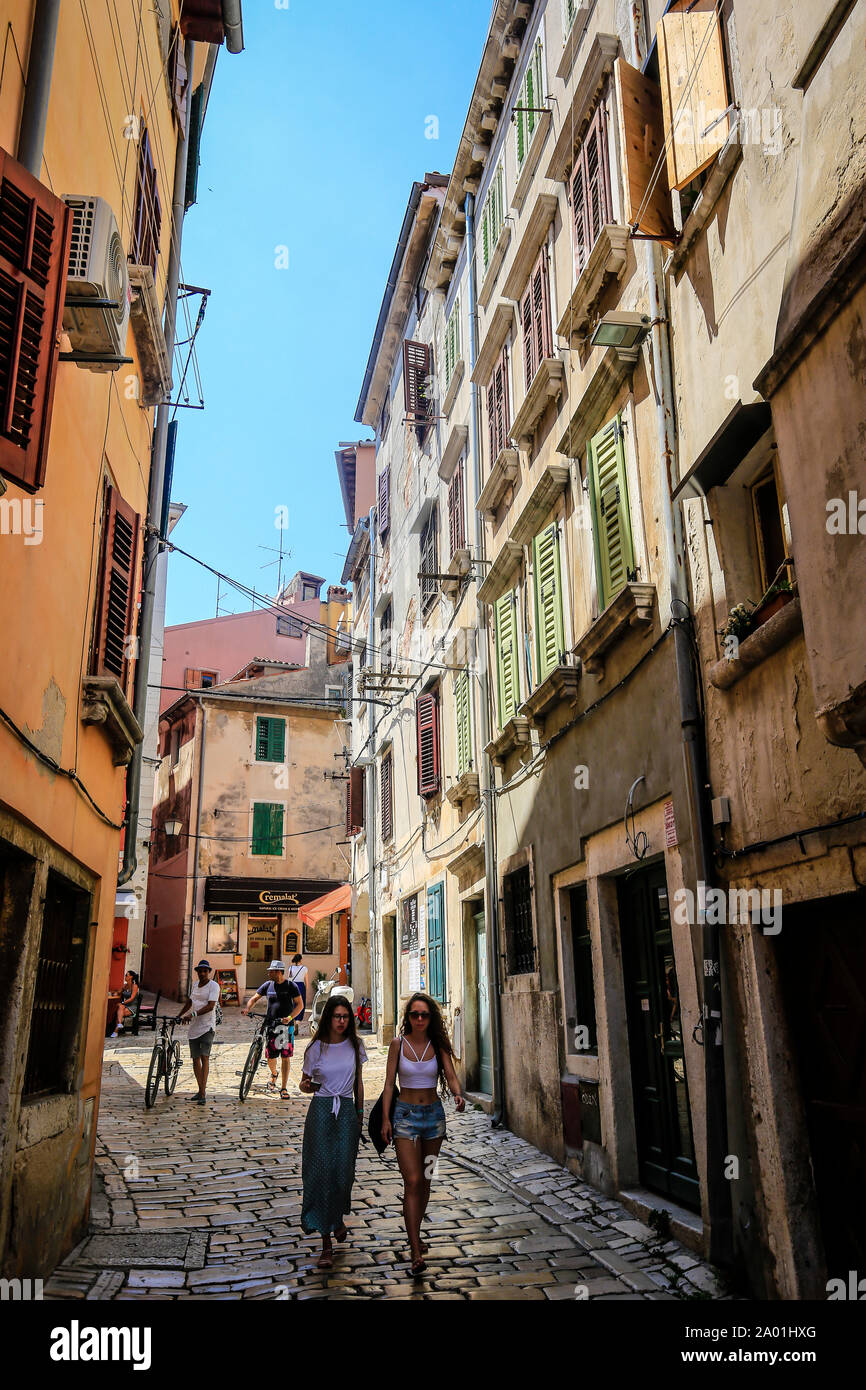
<point x="416" y="1013"/>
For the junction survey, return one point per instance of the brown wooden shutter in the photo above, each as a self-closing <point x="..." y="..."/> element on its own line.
<point x="427" y="722"/>
<point x="384" y="501"/>
<point x="117" y="586"/>
<point x="639" y="107"/>
<point x="147" y="216"/>
<point x="416" y="374"/>
<point x="590" y="188"/>
<point x="34" y="250"/>
<point x="528" y="337"/>
<point x="541" y="310"/>
<point x="455" y="510"/>
<point x="355" y="801"/>
<point x="386" y="801"/>
<point x="497" y="407"/>
<point x="178" y="78"/>
<point x="694" y="89"/>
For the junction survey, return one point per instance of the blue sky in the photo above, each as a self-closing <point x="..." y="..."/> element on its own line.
<point x="313" y="138"/>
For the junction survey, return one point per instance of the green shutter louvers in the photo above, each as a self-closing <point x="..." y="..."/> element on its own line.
<point x="608" y="489"/>
<point x="507" y="656"/>
<point x="549" y="633"/>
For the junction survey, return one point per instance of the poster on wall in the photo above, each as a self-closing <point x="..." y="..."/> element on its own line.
<point x="422" y="976"/>
<point x="409" y="924"/>
<point x="414" y="970"/>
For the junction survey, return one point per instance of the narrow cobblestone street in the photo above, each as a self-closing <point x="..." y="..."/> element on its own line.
<point x="204" y="1202"/>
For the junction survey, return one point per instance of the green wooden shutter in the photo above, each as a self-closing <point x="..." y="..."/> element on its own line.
<point x="276" y="835"/>
<point x="549" y="635"/>
<point x="436" y="943"/>
<point x="507" y="664"/>
<point x="464" y="722"/>
<point x="267" y="828"/>
<point x="614" y="549"/>
<point x="270" y="740"/>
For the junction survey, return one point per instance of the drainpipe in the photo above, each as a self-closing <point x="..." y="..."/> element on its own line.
<point x="154" y="504"/>
<point x="233" y="25"/>
<point x="40" y="65"/>
<point x="203" y="707"/>
<point x="370" y="782"/>
<point x="488" y="796"/>
<point x="694" y="758"/>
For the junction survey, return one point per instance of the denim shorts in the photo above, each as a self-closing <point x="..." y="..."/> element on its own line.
<point x="419" y="1121"/>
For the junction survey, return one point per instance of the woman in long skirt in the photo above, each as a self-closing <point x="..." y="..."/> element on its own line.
<point x="332" y="1075"/>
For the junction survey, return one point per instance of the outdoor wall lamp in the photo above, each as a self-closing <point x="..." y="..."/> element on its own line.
<point x="622" y="330"/>
<point x="173" y="827"/>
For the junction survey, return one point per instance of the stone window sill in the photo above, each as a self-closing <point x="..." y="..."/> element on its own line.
<point x="458" y="568"/>
<point x="633" y="605"/>
<point x="105" y="704"/>
<point x="531" y="242"/>
<point x="144" y="318"/>
<point x="503" y="241"/>
<point x="516" y="734"/>
<point x="530" y="162"/>
<point x="503" y="473"/>
<point x="606" y="260"/>
<point x="453" y="450"/>
<point x="466" y="790"/>
<point x="453" y="387"/>
<point x="595" y="402"/>
<point x="559" y="688"/>
<point x="552" y="482"/>
<point x="572" y="42"/>
<point x="545" y="386"/>
<point x="502" y="572"/>
<point x="770" y="637"/>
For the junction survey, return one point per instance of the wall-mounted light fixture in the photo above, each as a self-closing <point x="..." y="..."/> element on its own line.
<point x="623" y="330"/>
<point x="173" y="827"/>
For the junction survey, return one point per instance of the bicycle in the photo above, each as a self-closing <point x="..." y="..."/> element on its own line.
<point x="165" y="1062"/>
<point x="254" y="1056"/>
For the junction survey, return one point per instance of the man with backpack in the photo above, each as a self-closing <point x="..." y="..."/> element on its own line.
<point x="204" y="1002"/>
<point x="284" y="1006"/>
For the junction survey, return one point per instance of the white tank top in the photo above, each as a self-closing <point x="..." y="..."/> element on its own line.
<point x="417" y="1073"/>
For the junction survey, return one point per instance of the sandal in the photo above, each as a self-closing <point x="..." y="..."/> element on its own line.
<point x="271" y="1088"/>
<point x="325" y="1260"/>
<point x="284" y="1095"/>
<point x="418" y="1267"/>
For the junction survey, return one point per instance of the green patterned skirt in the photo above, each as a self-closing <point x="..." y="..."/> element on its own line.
<point x="328" y="1164"/>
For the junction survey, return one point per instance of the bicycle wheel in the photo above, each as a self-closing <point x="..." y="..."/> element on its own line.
<point x="254" y="1056"/>
<point x="154" y="1074"/>
<point x="170" y="1079"/>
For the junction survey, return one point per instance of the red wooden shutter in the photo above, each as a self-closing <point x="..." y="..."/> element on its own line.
<point x="427" y="720"/>
<point x="590" y="188"/>
<point x="384" y="501"/>
<point x="34" y="251"/>
<point x="455" y="510"/>
<point x="529" y="363"/>
<point x="355" y="801"/>
<point x="541" y="310"/>
<point x="497" y="407"/>
<point x="386" y="806"/>
<point x="116" y="600"/>
<point x="416" y="373"/>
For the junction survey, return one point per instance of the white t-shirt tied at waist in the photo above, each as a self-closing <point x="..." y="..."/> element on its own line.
<point x="334" y="1064"/>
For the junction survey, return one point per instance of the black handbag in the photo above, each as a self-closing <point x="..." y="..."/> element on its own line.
<point x="374" y="1123"/>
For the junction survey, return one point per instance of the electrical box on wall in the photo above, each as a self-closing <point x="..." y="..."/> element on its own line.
<point x="721" y="807"/>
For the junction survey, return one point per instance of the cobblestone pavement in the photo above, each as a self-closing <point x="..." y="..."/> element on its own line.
<point x="204" y="1202"/>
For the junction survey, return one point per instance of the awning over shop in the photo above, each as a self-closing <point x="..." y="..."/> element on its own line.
<point x="340" y="900"/>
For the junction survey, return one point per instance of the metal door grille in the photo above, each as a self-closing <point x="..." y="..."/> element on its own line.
<point x="55" y="997"/>
<point x="519" y="936"/>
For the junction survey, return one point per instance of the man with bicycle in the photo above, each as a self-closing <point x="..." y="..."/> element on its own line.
<point x="284" y="1006"/>
<point x="202" y="1000"/>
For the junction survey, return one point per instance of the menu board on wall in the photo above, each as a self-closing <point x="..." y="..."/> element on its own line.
<point x="228" y="983"/>
<point x="409" y="924"/>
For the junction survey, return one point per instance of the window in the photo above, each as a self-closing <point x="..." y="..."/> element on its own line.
<point x="456" y="509"/>
<point x="33" y="261"/>
<point x="694" y="89"/>
<point x="571" y="9"/>
<point x="519" y="938"/>
<point x="290" y="627"/>
<point x="309" y="592"/>
<point x="115" y="602"/>
<point x="147" y="215"/>
<point x="589" y="189"/>
<point x="384" y="501"/>
<point x="334" y="693"/>
<point x="267" y="837"/>
<point x="57" y="1000"/>
<point x="535" y="318"/>
<point x="386" y="638"/>
<point x="385" y="419"/>
<point x="355" y="789"/>
<point x="174" y="746"/>
<point x="436" y="942"/>
<point x="427" y="729"/>
<point x="492" y="218"/>
<point x="270" y="740"/>
<point x="429" y="563"/>
<point x="498" y="416"/>
<point x="529" y="102"/>
<point x="463" y="712"/>
<point x="417" y="386"/>
<point x="222" y="933"/>
<point x="584" y="989"/>
<point x="317" y="938"/>
<point x="769" y="530"/>
<point x="386" y="794"/>
<point x="195" y="679"/>
<point x="549" y="638"/>
<point x="507" y="662"/>
<point x="611" y="523"/>
<point x="452" y="343"/>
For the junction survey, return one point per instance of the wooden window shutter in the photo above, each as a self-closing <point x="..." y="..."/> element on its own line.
<point x="462" y="709"/>
<point x="355" y="792"/>
<point x="386" y="796"/>
<point x="535" y="318"/>
<point x="528" y="336"/>
<point x="267" y="828"/>
<point x="178" y="79"/>
<point x="456" y="531"/>
<point x="147" y="216"/>
<point x="115" y="605"/>
<point x="34" y="250"/>
<point x="507" y="665"/>
<point x="596" y="176"/>
<point x="270" y="740"/>
<point x="694" y="90"/>
<point x="193" y="160"/>
<point x="427" y="721"/>
<point x="416" y="385"/>
<point x="384" y="511"/>
<point x="639" y="109"/>
<point x="498" y="418"/>
<point x="549" y="636"/>
<point x="614" y="550"/>
<point x="436" y="942"/>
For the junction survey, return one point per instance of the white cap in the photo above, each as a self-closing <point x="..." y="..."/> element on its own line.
<point x="277" y="965"/>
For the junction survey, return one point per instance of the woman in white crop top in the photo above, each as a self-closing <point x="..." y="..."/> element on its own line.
<point x="419" y="1057"/>
<point x="332" y="1076"/>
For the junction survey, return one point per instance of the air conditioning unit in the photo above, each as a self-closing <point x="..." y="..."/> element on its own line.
<point x="97" y="270"/>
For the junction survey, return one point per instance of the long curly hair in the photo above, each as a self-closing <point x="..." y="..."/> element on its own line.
<point x="323" y="1032"/>
<point x="436" y="1032"/>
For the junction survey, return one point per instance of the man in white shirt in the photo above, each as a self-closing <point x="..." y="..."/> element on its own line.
<point x="203" y="1000"/>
